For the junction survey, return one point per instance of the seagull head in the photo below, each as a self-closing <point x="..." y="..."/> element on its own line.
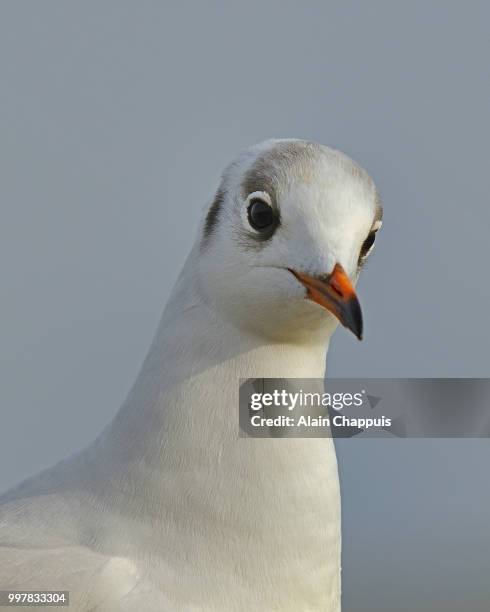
<point x="284" y="240"/>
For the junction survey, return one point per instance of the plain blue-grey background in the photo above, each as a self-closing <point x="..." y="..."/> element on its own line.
<point x="116" y="119"/>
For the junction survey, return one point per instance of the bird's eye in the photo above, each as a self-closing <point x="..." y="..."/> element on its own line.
<point x="260" y="214"/>
<point x="367" y="245"/>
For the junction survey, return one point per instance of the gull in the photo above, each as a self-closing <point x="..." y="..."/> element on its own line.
<point x="169" y="509"/>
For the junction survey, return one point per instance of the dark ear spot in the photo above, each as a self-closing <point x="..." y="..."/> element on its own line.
<point x="211" y="220"/>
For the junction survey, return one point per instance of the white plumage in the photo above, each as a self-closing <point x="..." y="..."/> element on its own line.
<point x="169" y="509"/>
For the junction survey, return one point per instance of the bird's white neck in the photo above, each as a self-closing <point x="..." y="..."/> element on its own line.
<point x="175" y="454"/>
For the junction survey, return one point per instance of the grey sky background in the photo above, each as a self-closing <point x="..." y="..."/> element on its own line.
<point x="116" y="119"/>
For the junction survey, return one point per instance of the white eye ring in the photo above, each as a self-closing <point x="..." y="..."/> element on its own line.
<point x="255" y="195"/>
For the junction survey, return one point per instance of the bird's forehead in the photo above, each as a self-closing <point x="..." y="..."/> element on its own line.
<point x="289" y="166"/>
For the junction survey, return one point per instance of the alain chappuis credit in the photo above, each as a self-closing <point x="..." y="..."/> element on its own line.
<point x="301" y="409"/>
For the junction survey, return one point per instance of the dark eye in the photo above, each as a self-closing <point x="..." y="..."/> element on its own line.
<point x="260" y="214"/>
<point x="367" y="245"/>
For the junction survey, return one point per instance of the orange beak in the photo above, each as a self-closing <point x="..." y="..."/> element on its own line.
<point x="335" y="293"/>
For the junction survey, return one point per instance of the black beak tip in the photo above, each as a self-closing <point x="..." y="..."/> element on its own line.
<point x="352" y="317"/>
